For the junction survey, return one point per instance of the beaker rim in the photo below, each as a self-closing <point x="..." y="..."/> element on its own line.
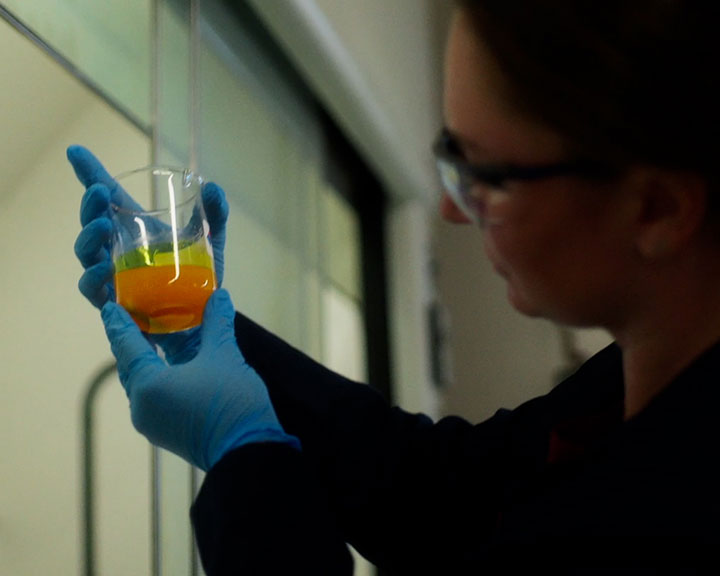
<point x="188" y="175"/>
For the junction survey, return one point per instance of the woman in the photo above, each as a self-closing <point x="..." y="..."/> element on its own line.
<point x="577" y="137"/>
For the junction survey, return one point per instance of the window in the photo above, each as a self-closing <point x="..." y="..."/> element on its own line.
<point x="200" y="84"/>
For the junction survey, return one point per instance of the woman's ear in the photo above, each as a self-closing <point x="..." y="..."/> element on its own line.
<point x="671" y="208"/>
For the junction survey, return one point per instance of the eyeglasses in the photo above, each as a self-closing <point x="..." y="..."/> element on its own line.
<point x="473" y="187"/>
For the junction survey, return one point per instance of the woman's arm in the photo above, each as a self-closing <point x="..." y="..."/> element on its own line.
<point x="260" y="512"/>
<point x="396" y="482"/>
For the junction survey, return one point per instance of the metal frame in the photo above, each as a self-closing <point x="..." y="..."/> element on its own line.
<point x="88" y="466"/>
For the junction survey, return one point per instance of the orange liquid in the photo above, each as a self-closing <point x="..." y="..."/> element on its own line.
<point x="159" y="302"/>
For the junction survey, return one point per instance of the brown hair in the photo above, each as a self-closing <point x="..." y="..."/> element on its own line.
<point x="622" y="81"/>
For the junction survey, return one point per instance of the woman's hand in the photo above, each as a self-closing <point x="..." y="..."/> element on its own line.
<point x="204" y="408"/>
<point x="93" y="244"/>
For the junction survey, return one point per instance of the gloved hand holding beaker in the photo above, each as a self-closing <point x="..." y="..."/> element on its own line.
<point x="93" y="245"/>
<point x="203" y="408"/>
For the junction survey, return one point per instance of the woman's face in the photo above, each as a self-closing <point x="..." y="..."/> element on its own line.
<point x="562" y="244"/>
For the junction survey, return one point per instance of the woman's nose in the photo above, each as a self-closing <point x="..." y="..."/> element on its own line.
<point x="450" y="212"/>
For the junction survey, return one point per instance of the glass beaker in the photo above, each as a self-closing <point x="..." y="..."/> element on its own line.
<point x="164" y="269"/>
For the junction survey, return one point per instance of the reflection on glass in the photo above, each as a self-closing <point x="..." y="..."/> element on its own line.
<point x="109" y="42"/>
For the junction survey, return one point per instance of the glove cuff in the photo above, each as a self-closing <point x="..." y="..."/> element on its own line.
<point x="256" y="437"/>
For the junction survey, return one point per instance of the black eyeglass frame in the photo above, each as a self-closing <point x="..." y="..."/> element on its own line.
<point x="447" y="151"/>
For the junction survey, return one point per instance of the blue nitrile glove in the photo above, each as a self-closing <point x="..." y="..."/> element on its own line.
<point x="92" y="246"/>
<point x="204" y="408"/>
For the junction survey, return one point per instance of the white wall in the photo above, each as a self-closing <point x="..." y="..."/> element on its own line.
<point x="376" y="66"/>
<point x="397" y="47"/>
<point x="499" y="358"/>
<point x="52" y="342"/>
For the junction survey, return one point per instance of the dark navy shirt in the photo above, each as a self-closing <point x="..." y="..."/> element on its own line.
<point x="559" y="485"/>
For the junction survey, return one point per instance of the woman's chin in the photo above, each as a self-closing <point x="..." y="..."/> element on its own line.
<point x="519" y="301"/>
